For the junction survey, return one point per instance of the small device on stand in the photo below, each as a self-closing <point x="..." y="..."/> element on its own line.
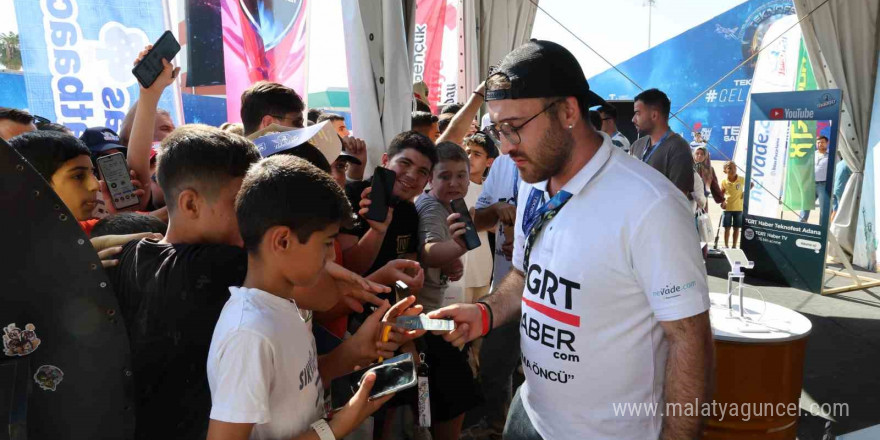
<point x="738" y="262"/>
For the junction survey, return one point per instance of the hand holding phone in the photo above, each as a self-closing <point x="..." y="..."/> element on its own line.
<point x="391" y="376"/>
<point x="360" y="405"/>
<point x="150" y="65"/>
<point x="381" y="194"/>
<point x="471" y="239"/>
<point x="114" y="172"/>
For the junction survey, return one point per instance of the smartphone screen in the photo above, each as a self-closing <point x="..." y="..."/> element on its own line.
<point x="471" y="239"/>
<point x="380" y="195"/>
<point x="114" y="171"/>
<point x="150" y="67"/>
<point x="393" y="375"/>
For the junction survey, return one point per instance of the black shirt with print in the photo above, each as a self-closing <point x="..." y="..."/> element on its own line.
<point x="401" y="236"/>
<point x="170" y="297"/>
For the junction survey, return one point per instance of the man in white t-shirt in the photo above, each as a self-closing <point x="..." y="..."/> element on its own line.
<point x="611" y="312"/>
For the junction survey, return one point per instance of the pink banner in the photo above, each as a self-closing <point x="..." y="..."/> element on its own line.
<point x="263" y="40"/>
<point x="436" y="54"/>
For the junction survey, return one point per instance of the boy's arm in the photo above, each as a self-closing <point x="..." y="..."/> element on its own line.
<point x="360" y="253"/>
<point x="436" y="248"/>
<point x="141" y="139"/>
<point x="462" y="120"/>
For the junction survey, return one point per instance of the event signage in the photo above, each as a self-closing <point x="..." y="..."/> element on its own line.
<point x="436" y="52"/>
<point x="263" y="41"/>
<point x="783" y="136"/>
<point x="77" y="57"/>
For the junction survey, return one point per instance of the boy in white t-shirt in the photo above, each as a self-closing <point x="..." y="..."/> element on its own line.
<point x="478" y="262"/>
<point x="262" y="365"/>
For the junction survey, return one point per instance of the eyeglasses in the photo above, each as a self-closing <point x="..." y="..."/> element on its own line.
<point x="512" y="132"/>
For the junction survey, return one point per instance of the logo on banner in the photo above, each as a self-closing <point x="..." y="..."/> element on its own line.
<point x="749" y="234"/>
<point x="777" y="113"/>
<point x="826" y="101"/>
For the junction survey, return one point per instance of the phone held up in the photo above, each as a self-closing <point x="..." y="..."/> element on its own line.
<point x="150" y="67"/>
<point x="114" y="171"/>
<point x="381" y="195"/>
<point x="471" y="239"/>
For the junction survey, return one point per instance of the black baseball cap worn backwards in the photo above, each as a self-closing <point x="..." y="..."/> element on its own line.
<point x="542" y="69"/>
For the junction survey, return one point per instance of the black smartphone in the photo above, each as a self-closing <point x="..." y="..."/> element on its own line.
<point x="381" y="194"/>
<point x="150" y="67"/>
<point x="471" y="239"/>
<point x="393" y="375"/>
<point x="114" y="171"/>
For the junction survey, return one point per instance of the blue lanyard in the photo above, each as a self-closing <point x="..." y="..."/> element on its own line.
<point x="533" y="212"/>
<point x="515" y="186"/>
<point x="649" y="151"/>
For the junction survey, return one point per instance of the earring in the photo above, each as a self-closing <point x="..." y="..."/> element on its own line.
<point x="570" y="127"/>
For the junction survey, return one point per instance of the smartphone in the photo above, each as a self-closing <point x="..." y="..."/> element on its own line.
<point x="471" y="239"/>
<point x="150" y="67"/>
<point x="381" y="194"/>
<point x="401" y="290"/>
<point x="422" y="322"/>
<point x="393" y="375"/>
<point x="114" y="171"/>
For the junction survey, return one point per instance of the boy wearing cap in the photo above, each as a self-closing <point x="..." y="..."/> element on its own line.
<point x="609" y="310"/>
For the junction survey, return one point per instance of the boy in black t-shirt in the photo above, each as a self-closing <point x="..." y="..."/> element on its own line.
<point x="369" y="245"/>
<point x="172" y="291"/>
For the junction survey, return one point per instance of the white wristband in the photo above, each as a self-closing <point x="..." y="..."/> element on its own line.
<point x="323" y="430"/>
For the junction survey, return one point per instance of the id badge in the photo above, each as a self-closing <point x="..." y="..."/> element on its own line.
<point x="424" y="394"/>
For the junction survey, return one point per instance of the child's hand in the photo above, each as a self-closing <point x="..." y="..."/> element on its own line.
<point x="408" y="271"/>
<point x="453" y="270"/>
<point x="166" y="78"/>
<point x="380" y="227"/>
<point x="357" y="409"/>
<point x="400" y="335"/>
<point x="724" y="205"/>
<point x="355" y="290"/>
<point x="457" y="230"/>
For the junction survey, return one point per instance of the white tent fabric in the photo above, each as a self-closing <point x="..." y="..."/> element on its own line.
<point x="842" y="40"/>
<point x="493" y="28"/>
<point x="378" y="46"/>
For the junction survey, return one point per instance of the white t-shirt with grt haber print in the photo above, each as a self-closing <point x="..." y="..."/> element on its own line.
<point x="620" y="257"/>
<point x="263" y="366"/>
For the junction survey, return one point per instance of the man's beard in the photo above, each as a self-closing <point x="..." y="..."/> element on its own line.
<point x="551" y="153"/>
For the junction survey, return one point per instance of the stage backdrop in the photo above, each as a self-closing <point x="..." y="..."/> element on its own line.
<point x="77" y="57"/>
<point x="263" y="40"/>
<point x="686" y="65"/>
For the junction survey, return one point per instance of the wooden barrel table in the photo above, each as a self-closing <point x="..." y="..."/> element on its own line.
<point x="759" y="365"/>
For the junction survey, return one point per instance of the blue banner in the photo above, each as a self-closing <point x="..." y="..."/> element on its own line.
<point x="786" y="251"/>
<point x="77" y="57"/>
<point x="686" y="65"/>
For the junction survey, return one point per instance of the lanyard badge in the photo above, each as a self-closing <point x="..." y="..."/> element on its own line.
<point x="536" y="218"/>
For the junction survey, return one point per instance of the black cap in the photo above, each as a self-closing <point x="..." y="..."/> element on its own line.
<point x="101" y="139"/>
<point x="542" y="69"/>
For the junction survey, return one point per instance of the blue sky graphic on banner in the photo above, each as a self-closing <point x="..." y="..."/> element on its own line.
<point x="685" y="65"/>
<point x="77" y="57"/>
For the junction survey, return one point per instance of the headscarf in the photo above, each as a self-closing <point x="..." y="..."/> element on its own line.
<point x="704" y="168"/>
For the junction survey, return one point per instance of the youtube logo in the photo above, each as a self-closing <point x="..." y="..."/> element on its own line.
<point x="777" y="113"/>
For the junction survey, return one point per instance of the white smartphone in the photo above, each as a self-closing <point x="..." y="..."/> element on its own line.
<point x="114" y="171"/>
